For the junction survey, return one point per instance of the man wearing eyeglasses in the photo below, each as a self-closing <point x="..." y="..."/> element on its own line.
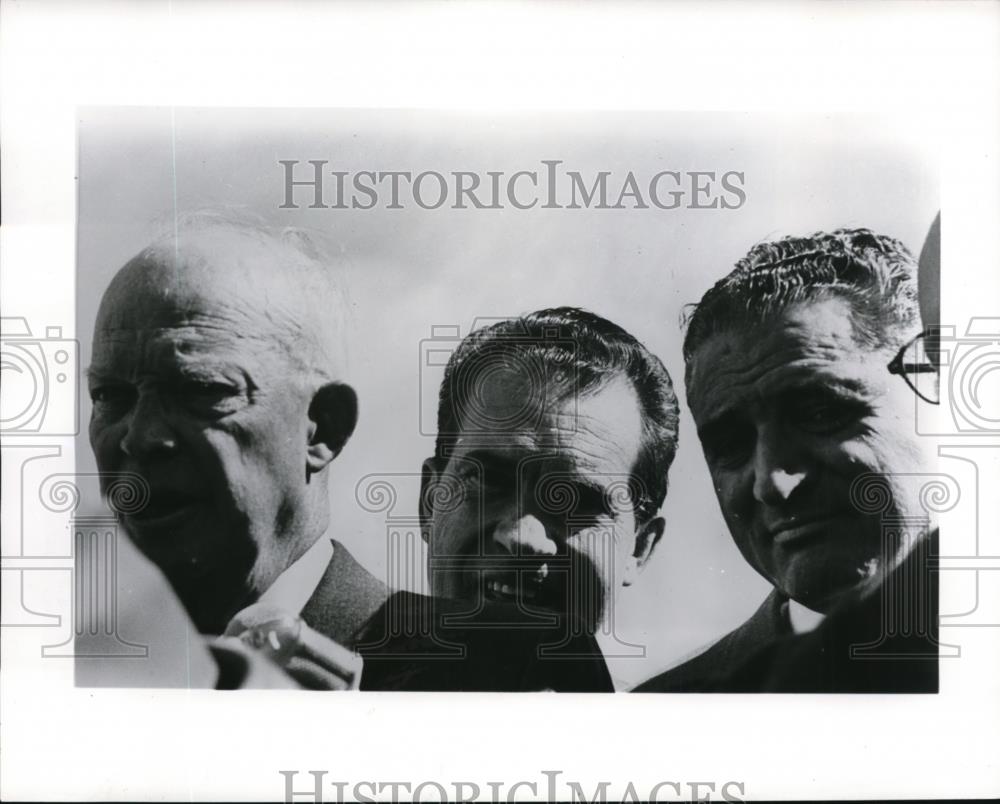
<point x="791" y="371"/>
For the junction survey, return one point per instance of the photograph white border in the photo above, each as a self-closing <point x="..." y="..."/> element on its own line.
<point x="935" y="64"/>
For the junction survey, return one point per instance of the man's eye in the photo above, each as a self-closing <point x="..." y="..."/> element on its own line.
<point x="470" y="474"/>
<point x="824" y="416"/>
<point x="563" y="500"/>
<point x="591" y="505"/>
<point x="209" y="397"/>
<point x="198" y="388"/>
<point x="111" y="396"/>
<point x="729" y="447"/>
<point x="485" y="477"/>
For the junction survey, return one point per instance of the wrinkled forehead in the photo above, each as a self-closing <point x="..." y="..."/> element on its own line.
<point x="597" y="429"/>
<point x="807" y="343"/>
<point x="505" y="393"/>
<point x="209" y="280"/>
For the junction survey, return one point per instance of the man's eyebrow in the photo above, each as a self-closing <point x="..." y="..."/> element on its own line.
<point x="186" y="366"/>
<point x="97" y="372"/>
<point x="490" y="458"/>
<point x="592" y="485"/>
<point x="826" y="383"/>
<point x="719" y="421"/>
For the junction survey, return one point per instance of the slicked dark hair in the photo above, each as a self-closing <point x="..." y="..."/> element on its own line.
<point x="874" y="273"/>
<point x="571" y="352"/>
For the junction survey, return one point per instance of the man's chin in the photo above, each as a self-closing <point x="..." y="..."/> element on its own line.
<point x="820" y="588"/>
<point x="269" y="563"/>
<point x="477" y="593"/>
<point x="818" y="569"/>
<point x="541" y="603"/>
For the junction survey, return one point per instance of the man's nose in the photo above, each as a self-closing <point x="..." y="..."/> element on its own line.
<point x="148" y="432"/>
<point x="779" y="467"/>
<point x="526" y="536"/>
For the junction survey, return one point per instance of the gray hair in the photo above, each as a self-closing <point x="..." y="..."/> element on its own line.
<point x="874" y="273"/>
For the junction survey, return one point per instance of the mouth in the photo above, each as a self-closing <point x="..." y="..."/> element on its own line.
<point x="553" y="588"/>
<point x="165" y="510"/>
<point x="794" y="532"/>
<point x="509" y="590"/>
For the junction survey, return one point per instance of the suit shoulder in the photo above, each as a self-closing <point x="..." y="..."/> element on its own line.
<point x="766" y="624"/>
<point x="693" y="674"/>
<point x="346" y="597"/>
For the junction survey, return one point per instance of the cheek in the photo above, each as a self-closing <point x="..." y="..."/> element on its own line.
<point x="899" y="448"/>
<point x="451" y="531"/>
<point x="269" y="442"/>
<point x="734" y="491"/>
<point x="105" y="442"/>
<point x="898" y="459"/>
<point x="624" y="534"/>
<point x="882" y="452"/>
<point x="220" y="460"/>
<point x="247" y="466"/>
<point x="607" y="548"/>
<point x="625" y="549"/>
<point x="101" y="441"/>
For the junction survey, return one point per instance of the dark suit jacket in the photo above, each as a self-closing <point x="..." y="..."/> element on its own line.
<point x="881" y="638"/>
<point x="345" y="598"/>
<point x="437" y="645"/>
<point x="767" y="624"/>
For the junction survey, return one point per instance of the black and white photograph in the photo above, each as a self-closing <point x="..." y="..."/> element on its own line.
<point x="418" y="401"/>
<point x="373" y="372"/>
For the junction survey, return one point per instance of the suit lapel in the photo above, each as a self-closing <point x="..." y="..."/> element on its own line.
<point x="345" y="598"/>
<point x="769" y="622"/>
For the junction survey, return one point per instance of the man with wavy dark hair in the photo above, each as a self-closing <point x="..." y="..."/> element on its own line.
<point x="790" y="364"/>
<point x="556" y="431"/>
<point x="559" y="428"/>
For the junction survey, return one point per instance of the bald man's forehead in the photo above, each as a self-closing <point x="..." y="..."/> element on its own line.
<point x="147" y="292"/>
<point x="250" y="283"/>
<point x="237" y="263"/>
<point x="168" y="339"/>
<point x="211" y="245"/>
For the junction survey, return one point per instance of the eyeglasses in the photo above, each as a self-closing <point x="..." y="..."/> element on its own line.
<point x="917" y="362"/>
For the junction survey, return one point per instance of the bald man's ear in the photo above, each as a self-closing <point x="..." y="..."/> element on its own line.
<point x="333" y="415"/>
<point x="646" y="539"/>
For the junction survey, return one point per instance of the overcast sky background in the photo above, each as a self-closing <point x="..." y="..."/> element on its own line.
<point x="411" y="269"/>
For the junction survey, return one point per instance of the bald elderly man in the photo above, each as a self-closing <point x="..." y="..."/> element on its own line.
<point x="216" y="377"/>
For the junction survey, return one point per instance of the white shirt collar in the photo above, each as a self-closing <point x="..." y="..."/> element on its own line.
<point x="608" y="644"/>
<point x="803" y="619"/>
<point x="292" y="589"/>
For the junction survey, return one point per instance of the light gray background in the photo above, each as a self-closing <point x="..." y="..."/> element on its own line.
<point x="408" y="270"/>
